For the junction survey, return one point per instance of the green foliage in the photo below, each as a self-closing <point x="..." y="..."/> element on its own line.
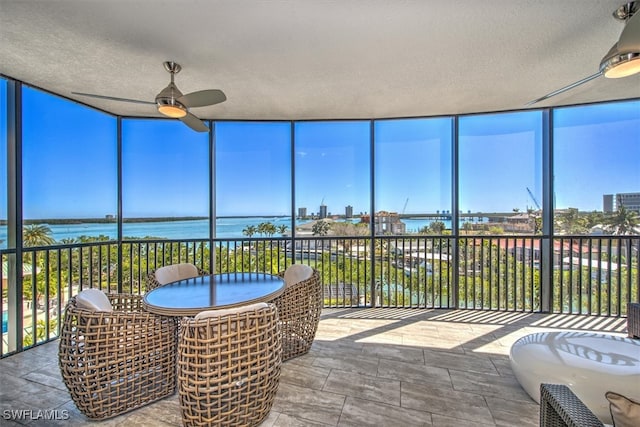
<point x="320" y="228"/>
<point x="37" y="235"/>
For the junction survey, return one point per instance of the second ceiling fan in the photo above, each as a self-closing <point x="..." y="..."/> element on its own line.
<point x="172" y="103"/>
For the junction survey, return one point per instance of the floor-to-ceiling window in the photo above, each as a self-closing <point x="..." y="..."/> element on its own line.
<point x="69" y="170"/>
<point x="596" y="167"/>
<point x="3" y="163"/>
<point x="253" y="179"/>
<point x="165" y="180"/>
<point x="597" y="192"/>
<point x="333" y="177"/>
<point x="500" y="178"/>
<point x="500" y="173"/>
<point x="412" y="174"/>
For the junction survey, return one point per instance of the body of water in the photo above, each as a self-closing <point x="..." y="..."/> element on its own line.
<point x="192" y="229"/>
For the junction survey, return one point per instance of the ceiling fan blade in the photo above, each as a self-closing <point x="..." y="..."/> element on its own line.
<point x="194" y="123"/>
<point x="112" y="98"/>
<point x="566" y="88"/>
<point x="630" y="37"/>
<point x="202" y="98"/>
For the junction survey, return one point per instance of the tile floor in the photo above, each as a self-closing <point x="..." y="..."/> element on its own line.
<point x="367" y="367"/>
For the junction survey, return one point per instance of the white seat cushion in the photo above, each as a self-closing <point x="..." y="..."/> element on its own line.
<point x="229" y="311"/>
<point x="94" y="300"/>
<point x="296" y="273"/>
<point x="175" y="272"/>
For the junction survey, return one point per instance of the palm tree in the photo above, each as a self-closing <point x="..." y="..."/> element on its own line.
<point x="262" y="228"/>
<point x="269" y="229"/>
<point x="623" y="221"/>
<point x="37" y="235"/>
<point x="282" y="229"/>
<point x="250" y="230"/>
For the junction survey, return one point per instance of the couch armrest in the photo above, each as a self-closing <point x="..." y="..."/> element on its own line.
<point x="559" y="407"/>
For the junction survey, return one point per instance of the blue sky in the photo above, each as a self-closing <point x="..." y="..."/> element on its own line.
<point x="70" y="162"/>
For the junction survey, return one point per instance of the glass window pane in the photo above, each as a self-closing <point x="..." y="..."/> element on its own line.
<point x="253" y="178"/>
<point x="413" y="171"/>
<point x="332" y="172"/>
<point x="165" y="180"/>
<point x="596" y="165"/>
<point x="69" y="170"/>
<point x="500" y="172"/>
<point x="3" y="163"/>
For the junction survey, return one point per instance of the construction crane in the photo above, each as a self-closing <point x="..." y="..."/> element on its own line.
<point x="533" y="198"/>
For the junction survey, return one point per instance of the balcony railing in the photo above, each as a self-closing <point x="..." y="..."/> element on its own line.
<point x="573" y="275"/>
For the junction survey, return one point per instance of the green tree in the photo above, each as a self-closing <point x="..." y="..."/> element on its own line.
<point x="270" y="229"/>
<point x="282" y="229"/>
<point x="37" y="235"/>
<point x="571" y="222"/>
<point x="623" y="221"/>
<point x="594" y="218"/>
<point x="437" y="227"/>
<point x="535" y="220"/>
<point x="250" y="230"/>
<point x="320" y="228"/>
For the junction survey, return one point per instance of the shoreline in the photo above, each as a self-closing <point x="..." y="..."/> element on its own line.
<point x="62" y="221"/>
<point x="114" y="220"/>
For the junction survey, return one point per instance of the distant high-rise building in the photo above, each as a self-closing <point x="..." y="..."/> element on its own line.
<point x="302" y="212"/>
<point x="607" y="203"/>
<point x="631" y="201"/>
<point x="323" y="211"/>
<point x="348" y="211"/>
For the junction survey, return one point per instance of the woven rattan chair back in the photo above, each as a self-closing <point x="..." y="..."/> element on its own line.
<point x="560" y="407"/>
<point x="114" y="362"/>
<point x="229" y="368"/>
<point x="178" y="273"/>
<point x="299" y="308"/>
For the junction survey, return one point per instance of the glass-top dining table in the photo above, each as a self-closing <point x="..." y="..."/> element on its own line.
<point x="189" y="297"/>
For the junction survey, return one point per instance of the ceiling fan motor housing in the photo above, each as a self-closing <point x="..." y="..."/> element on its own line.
<point x="167" y="101"/>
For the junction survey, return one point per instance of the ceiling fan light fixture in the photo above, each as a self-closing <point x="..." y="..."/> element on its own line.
<point x="171" y="108"/>
<point x="620" y="64"/>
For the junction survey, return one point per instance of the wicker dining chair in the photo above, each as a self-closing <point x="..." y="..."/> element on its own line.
<point x="173" y="273"/>
<point x="299" y="308"/>
<point x="229" y="366"/>
<point x="116" y="361"/>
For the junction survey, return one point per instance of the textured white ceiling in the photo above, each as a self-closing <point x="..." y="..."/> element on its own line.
<point x="310" y="59"/>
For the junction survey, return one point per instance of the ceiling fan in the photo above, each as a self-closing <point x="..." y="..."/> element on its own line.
<point x="623" y="59"/>
<point x="172" y="103"/>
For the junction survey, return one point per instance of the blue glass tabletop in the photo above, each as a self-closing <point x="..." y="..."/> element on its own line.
<point x="191" y="296"/>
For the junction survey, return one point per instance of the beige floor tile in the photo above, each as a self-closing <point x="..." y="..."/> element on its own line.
<point x="445" y="401"/>
<point x="488" y="385"/>
<point x="364" y="387"/>
<point x="305" y="404"/>
<point x="362" y="413"/>
<point x="398" y="352"/>
<point x="413" y="372"/>
<point x="513" y="413"/>
<point x="395" y="367"/>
